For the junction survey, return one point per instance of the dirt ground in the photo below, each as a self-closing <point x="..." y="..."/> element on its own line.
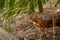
<point x="23" y="29"/>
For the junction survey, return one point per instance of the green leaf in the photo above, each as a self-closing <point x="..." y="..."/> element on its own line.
<point x="2" y="2"/>
<point x="11" y="3"/>
<point x="11" y="12"/>
<point x="44" y="1"/>
<point x="47" y="0"/>
<point x="22" y="3"/>
<point x="35" y="3"/>
<point x="12" y="8"/>
<point x="57" y="3"/>
<point x="32" y="7"/>
<point x="40" y="6"/>
<point x="17" y="13"/>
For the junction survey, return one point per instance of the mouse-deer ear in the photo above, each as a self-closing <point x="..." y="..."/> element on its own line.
<point x="32" y="16"/>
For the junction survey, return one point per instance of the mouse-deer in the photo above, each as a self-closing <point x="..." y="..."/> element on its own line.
<point x="42" y="21"/>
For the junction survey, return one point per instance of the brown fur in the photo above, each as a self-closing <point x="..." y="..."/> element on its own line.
<point x="43" y="21"/>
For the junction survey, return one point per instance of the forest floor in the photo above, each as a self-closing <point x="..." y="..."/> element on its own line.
<point x="22" y="28"/>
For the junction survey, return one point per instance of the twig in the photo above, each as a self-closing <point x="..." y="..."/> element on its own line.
<point x="51" y="4"/>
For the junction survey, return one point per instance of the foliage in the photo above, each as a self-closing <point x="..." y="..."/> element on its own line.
<point x="58" y="1"/>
